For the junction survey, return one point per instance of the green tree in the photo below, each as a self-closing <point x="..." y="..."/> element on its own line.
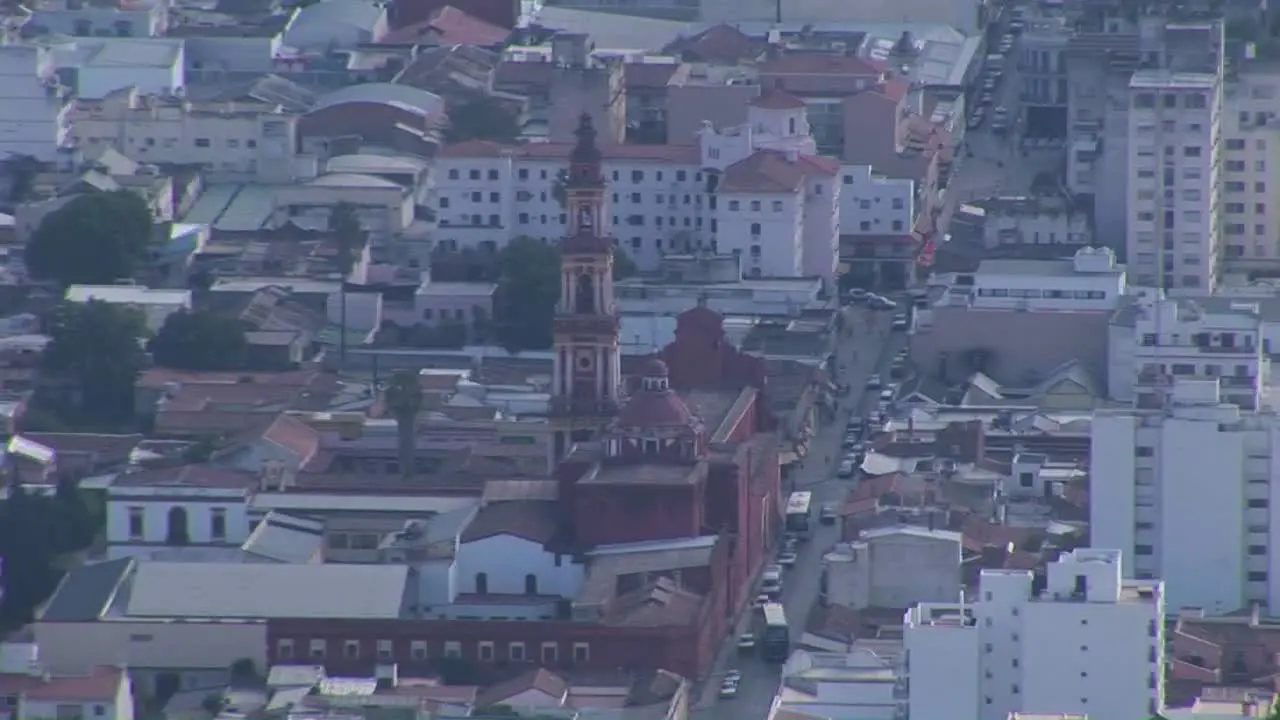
<point x="35" y="530"/>
<point x="528" y="289"/>
<point x="95" y="239"/>
<point x="404" y="399"/>
<point x="95" y="347"/>
<point x="22" y="170"/>
<point x="199" y="341"/>
<point x="349" y="237"/>
<point x="482" y="118"/>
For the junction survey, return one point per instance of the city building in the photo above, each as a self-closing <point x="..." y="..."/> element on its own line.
<point x="1248" y="168"/>
<point x="226" y="136"/>
<point x="102" y="65"/>
<point x="1106" y="50"/>
<point x="1019" y="320"/>
<point x="93" y="692"/>
<point x="156" y="305"/>
<point x="715" y="281"/>
<point x="757" y="191"/>
<point x="894" y="567"/>
<point x="1148" y="470"/>
<point x="1174" y="131"/>
<point x="96" y="19"/>
<point x="37" y="106"/>
<point x="1217" y="338"/>
<point x="1090" y="642"/>
<point x="860" y="683"/>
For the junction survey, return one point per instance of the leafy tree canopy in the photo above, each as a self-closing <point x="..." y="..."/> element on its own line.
<point x="482" y="118"/>
<point x="344" y="223"/>
<point x="34" y="531"/>
<point x="95" y="239"/>
<point x="95" y="346"/>
<point x="528" y="289"/>
<point x="200" y="341"/>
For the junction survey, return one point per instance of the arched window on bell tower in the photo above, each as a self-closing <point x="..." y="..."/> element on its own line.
<point x="584" y="302"/>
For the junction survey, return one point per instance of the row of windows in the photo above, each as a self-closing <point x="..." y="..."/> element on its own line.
<point x="176" y="525"/>
<point x="1053" y="294"/>
<point x="1189" y="100"/>
<point x="486" y="650"/>
<point x="1238" y="166"/>
<point x="1235" y="208"/>
<point x="524" y="174"/>
<point x="1239" y="143"/>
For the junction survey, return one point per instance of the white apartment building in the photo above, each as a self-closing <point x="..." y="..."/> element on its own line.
<point x="757" y="190"/>
<point x="1248" y="167"/>
<point x="231" y="137"/>
<point x="1172" y="231"/>
<point x="1152" y="342"/>
<point x="1090" y="643"/>
<point x="1090" y="281"/>
<point x="1158" y="475"/>
<point x="35" y="107"/>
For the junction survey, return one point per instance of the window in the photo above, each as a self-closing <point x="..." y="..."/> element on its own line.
<point x="1142" y="549"/>
<point x="493" y="174"/>
<point x="523" y="174"/>
<point x="485" y="651"/>
<point x="316" y="651"/>
<point x="1235" y="144"/>
<point x="681" y="175"/>
<point x="284" y="649"/>
<point x="755" y="205"/>
<point x="637" y="176"/>
<point x="1257" y="576"/>
<point x="734" y="204"/>
<point x="1257" y="549"/>
<point x="444" y="202"/>
<point x="550" y="653"/>
<point x="1191" y="151"/>
<point x="1257" y="503"/>
<point x="755" y="228"/>
<point x="777" y="206"/>
<point x="351" y="649"/>
<point x="453" y="174"/>
<point x="1144" y="451"/>
<point x="453" y="649"/>
<point x="477" y="196"/>
<point x="386" y="649"/>
<point x="581" y="652"/>
<point x="177" y="533"/>
<point x="1026" y="479"/>
<point x="418" y="649"/>
<point x="515" y="652"/>
<point x="474" y="174"/>
<point x="530" y="584"/>
<point x="202" y="142"/>
<point x="136" y="515"/>
<point x="218" y="524"/>
<point x="482" y="583"/>
<point x="495" y="197"/>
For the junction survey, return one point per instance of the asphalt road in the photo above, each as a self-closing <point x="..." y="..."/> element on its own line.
<point x="870" y="348"/>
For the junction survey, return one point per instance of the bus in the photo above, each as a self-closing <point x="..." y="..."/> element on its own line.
<point x="798" y="514"/>
<point x="775" y="641"/>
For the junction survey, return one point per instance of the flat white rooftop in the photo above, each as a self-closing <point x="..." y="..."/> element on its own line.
<point x="128" y="294"/>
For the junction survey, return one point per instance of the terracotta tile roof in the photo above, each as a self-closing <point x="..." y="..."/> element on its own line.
<point x="532" y="520"/>
<point x="835" y="622"/>
<point x="295" y="436"/>
<point x="769" y="171"/>
<point x="515" y="72"/>
<point x="772" y="99"/>
<point x="450" y="26"/>
<point x="158" y="378"/>
<point x="655" y="408"/>
<point x="660" y="603"/>
<point x="101" y="448"/>
<point x="187" y="476"/>
<point x="686" y="154"/>
<point x="542" y="680"/>
<point x="101" y="685"/>
<point x="719" y="44"/>
<point x="979" y="533"/>
<point x="648" y="75"/>
<point x="818" y="63"/>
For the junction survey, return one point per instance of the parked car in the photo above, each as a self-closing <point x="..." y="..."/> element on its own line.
<point x="975" y="120"/>
<point x="746" y="641"/>
<point x="733" y="676"/>
<point x="787" y="559"/>
<point x="879" y="302"/>
<point x="762" y="599"/>
<point x="900" y="323"/>
<point x="846" y="469"/>
<point x="886" y="394"/>
<point x="829" y="514"/>
<point x="874" y="382"/>
<point x="728" y="690"/>
<point x="857" y="295"/>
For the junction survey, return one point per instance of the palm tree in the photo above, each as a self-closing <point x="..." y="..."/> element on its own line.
<point x="404" y="398"/>
<point x="344" y="223"/>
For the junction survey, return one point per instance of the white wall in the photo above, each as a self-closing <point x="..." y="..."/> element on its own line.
<point x="73" y="647"/>
<point x="894" y="569"/>
<point x="944" y="668"/>
<point x="97" y="81"/>
<point x="775" y="248"/>
<point x="199" y="503"/>
<point x="33" y="121"/>
<point x="507" y="559"/>
<point x="874" y="205"/>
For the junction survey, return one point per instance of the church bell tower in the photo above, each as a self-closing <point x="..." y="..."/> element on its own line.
<point x="586" y="388"/>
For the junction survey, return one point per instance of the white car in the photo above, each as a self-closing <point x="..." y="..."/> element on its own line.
<point x="787" y="559"/>
<point x="746" y="641"/>
<point x="874" y="382"/>
<point x="886" y="395"/>
<point x="763" y="599"/>
<point x="846" y="470"/>
<point x="735" y="675"/>
<point x="728" y="690"/>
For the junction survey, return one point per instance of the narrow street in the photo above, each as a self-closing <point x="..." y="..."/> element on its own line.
<point x="870" y="348"/>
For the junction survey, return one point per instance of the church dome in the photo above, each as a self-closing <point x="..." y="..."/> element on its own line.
<point x="655" y="404"/>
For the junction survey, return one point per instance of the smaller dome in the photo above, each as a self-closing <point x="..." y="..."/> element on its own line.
<point x="654" y="368"/>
